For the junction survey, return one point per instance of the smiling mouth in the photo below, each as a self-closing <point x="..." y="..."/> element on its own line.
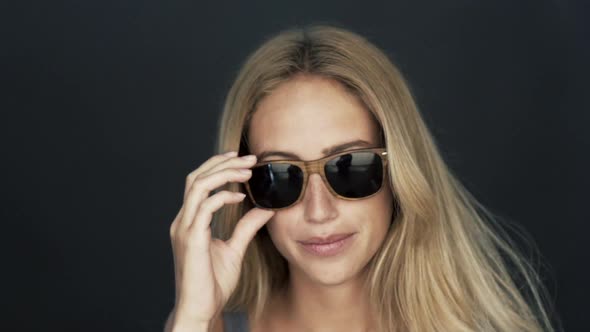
<point x="329" y="246"/>
<point x="328" y="239"/>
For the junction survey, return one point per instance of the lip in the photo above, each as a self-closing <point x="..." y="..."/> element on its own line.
<point x="328" y="246"/>
<point x="326" y="240"/>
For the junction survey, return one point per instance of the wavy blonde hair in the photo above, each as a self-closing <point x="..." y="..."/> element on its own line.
<point x="445" y="264"/>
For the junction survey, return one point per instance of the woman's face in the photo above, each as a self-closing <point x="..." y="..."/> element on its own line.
<point x="301" y="118"/>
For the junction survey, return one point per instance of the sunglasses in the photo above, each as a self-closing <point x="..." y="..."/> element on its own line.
<point x="350" y="175"/>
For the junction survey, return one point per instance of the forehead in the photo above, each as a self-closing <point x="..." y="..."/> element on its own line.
<point x="306" y="115"/>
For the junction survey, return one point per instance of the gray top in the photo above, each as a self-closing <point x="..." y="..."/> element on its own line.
<point x="235" y="321"/>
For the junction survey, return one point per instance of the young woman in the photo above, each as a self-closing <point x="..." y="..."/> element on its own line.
<point x="353" y="222"/>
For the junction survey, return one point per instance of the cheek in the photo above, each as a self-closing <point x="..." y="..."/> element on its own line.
<point x="279" y="233"/>
<point x="380" y="211"/>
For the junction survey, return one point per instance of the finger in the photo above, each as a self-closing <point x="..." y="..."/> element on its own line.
<point x="212" y="204"/>
<point x="175" y="223"/>
<point x="202" y="186"/>
<point x="211" y="162"/>
<point x="247" y="227"/>
<point x="236" y="162"/>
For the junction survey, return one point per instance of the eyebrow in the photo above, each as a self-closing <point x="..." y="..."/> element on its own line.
<point x="326" y="151"/>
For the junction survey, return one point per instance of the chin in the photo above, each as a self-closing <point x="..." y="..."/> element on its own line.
<point x="331" y="270"/>
<point x="326" y="274"/>
<point x="331" y="280"/>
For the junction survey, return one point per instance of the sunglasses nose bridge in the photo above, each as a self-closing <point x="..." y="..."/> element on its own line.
<point x="312" y="167"/>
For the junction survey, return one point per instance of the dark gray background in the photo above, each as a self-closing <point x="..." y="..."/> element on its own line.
<point x="108" y="105"/>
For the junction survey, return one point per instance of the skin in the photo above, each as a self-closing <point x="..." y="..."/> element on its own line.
<point x="304" y="116"/>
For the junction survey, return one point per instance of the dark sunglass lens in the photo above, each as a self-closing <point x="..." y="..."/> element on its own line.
<point x="355" y="175"/>
<point x="276" y="185"/>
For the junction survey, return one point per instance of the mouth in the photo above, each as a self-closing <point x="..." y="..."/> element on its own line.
<point x="328" y="246"/>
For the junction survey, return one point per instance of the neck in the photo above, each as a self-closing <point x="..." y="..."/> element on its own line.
<point x="316" y="307"/>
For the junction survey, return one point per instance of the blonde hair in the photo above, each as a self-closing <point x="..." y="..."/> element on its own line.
<point x="445" y="264"/>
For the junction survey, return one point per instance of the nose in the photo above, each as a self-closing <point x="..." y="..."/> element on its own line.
<point x="319" y="203"/>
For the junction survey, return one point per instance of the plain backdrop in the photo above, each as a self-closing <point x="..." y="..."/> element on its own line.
<point x="108" y="105"/>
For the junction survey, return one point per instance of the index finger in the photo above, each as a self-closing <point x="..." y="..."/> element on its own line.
<point x="207" y="165"/>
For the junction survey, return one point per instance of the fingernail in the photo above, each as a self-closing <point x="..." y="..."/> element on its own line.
<point x="249" y="157"/>
<point x="230" y="154"/>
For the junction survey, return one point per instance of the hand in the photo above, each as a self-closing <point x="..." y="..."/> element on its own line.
<point x="207" y="269"/>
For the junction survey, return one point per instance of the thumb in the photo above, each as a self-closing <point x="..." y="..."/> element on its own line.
<point x="247" y="227"/>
